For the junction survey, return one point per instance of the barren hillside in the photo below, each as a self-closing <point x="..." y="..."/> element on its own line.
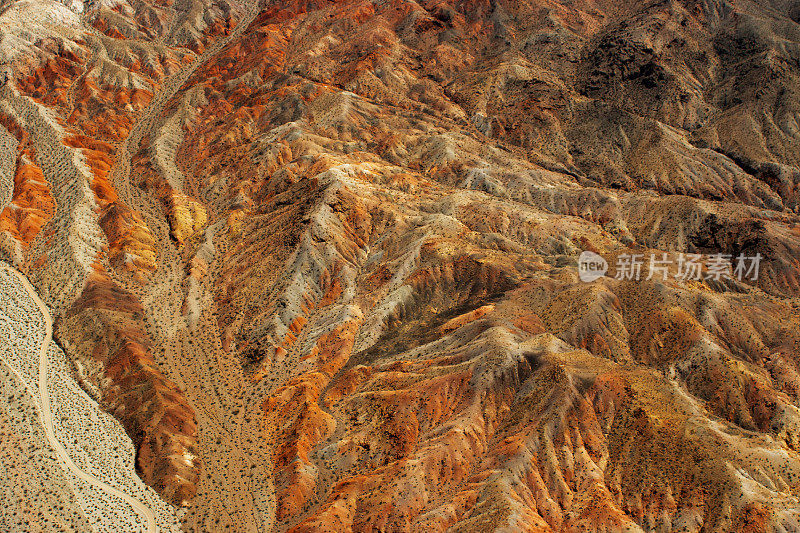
<point x="325" y="261"/>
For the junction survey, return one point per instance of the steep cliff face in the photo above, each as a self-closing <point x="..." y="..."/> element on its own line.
<point x="321" y="258"/>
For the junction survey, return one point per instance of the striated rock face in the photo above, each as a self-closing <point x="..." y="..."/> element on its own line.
<point x="321" y="259"/>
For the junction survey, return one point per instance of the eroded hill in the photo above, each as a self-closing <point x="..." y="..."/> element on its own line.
<point x="320" y="258"/>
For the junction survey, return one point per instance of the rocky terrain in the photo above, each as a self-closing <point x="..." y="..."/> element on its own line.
<point x="68" y="465"/>
<point x="324" y="260"/>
